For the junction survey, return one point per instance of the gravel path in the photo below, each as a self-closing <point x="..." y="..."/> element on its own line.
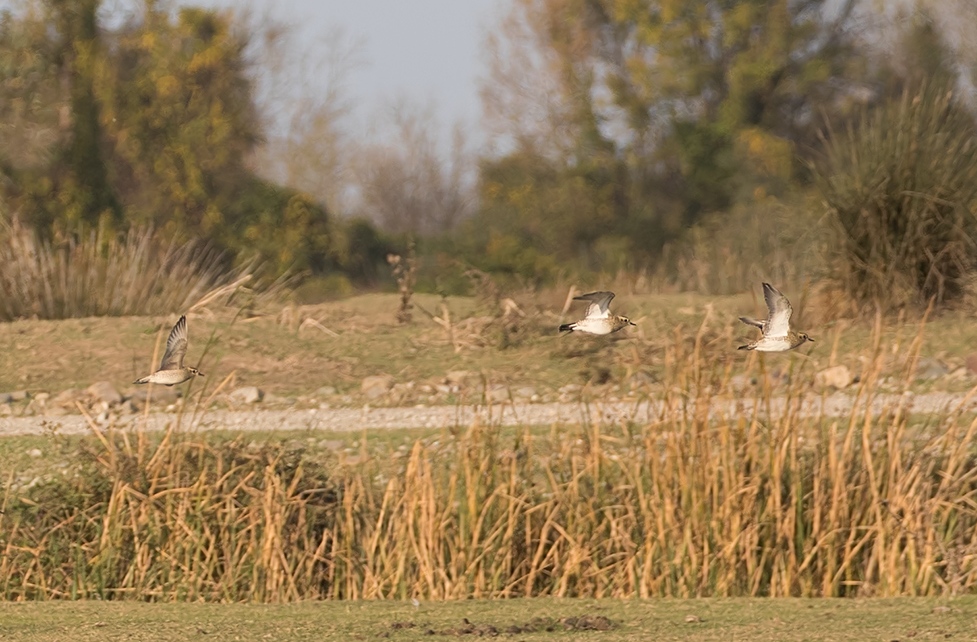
<point x="356" y="419"/>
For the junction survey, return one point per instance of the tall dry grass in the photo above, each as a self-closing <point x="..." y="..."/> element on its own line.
<point x="900" y="189"/>
<point x="781" y="241"/>
<point x="102" y="274"/>
<point x="720" y="494"/>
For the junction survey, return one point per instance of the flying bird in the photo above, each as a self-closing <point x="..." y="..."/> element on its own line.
<point x="599" y="319"/>
<point x="171" y="369"/>
<point x="777" y="335"/>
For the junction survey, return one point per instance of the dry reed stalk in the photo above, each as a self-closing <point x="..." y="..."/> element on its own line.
<point x="698" y="501"/>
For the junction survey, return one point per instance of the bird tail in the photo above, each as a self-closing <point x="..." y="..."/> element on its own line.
<point x="567" y="327"/>
<point x="143" y="380"/>
<point x="749" y="321"/>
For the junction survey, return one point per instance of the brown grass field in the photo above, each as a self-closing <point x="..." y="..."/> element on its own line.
<point x="759" y="503"/>
<point x="287" y="352"/>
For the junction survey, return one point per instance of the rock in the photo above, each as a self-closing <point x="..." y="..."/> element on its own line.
<point x="569" y="392"/>
<point x="34" y="453"/>
<point x="497" y="394"/>
<point x="459" y="377"/>
<point x="971" y="362"/>
<point x="402" y="391"/>
<point x="959" y="374"/>
<point x="741" y="382"/>
<point x="105" y="392"/>
<point x="247" y="394"/>
<point x="376" y="386"/>
<point x="524" y="392"/>
<point x="929" y="369"/>
<point x="42" y="397"/>
<point x="640" y="380"/>
<point x="159" y="395"/>
<point x="325" y="391"/>
<point x="67" y="398"/>
<point x="10" y="397"/>
<point x="837" y="377"/>
<point x="6" y="410"/>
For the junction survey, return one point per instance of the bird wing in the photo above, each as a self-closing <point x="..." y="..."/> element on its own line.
<point x="749" y="321"/>
<point x="778" y="320"/>
<point x="176" y="346"/>
<point x="599" y="302"/>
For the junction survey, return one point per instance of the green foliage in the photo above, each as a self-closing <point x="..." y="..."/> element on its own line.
<point x="535" y="213"/>
<point x="180" y="116"/>
<point x="657" y="115"/>
<point x="901" y="187"/>
<point x="286" y="228"/>
<point x="155" y="123"/>
<point x="89" y="198"/>
<point x="361" y="251"/>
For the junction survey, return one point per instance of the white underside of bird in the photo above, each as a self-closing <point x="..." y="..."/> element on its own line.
<point x="599" y="319"/>
<point x="772" y="344"/>
<point x="594" y="325"/>
<point x="168" y="377"/>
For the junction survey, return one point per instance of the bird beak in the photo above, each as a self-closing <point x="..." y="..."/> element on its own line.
<point x="199" y="374"/>
<point x="632" y="322"/>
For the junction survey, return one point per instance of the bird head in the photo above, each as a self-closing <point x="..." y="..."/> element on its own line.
<point x="195" y="372"/>
<point x="805" y="337"/>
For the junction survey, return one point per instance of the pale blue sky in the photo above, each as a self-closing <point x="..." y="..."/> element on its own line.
<point x="427" y="51"/>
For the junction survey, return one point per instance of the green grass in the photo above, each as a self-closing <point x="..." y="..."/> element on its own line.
<point x="780" y="620"/>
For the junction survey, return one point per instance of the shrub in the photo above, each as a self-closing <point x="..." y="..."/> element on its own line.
<point x="900" y="184"/>
<point x="101" y="274"/>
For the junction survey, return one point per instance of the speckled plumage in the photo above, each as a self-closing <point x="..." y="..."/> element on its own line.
<point x="777" y="335"/>
<point x="599" y="320"/>
<point x="171" y="369"/>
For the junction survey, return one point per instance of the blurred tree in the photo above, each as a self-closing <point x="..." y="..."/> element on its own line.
<point x="154" y="119"/>
<point x="308" y="144"/>
<point x="177" y="103"/>
<point x="670" y="108"/>
<point x="88" y="196"/>
<point x="405" y="181"/>
<point x="34" y="118"/>
<point x="54" y="156"/>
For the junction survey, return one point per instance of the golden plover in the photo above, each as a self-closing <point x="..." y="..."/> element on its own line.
<point x="777" y="335"/>
<point x="171" y="369"/>
<point x="599" y="320"/>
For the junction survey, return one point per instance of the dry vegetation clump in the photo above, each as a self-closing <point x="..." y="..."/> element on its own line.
<point x="768" y="239"/>
<point x="900" y="186"/>
<point x="715" y="493"/>
<point x="183" y="520"/>
<point x="102" y="274"/>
